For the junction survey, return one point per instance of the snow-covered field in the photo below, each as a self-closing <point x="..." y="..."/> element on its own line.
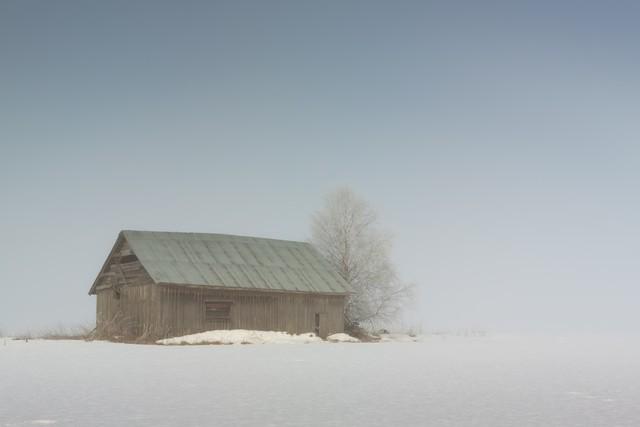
<point x="440" y="381"/>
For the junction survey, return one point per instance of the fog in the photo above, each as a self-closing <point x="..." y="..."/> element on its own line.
<point x="499" y="145"/>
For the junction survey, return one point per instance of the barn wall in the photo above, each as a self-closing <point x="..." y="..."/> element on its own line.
<point x="125" y="296"/>
<point x="129" y="316"/>
<point x="181" y="311"/>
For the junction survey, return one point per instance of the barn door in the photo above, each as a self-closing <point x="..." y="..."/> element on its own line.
<point x="320" y="325"/>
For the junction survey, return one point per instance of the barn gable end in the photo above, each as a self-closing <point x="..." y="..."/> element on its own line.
<point x="122" y="267"/>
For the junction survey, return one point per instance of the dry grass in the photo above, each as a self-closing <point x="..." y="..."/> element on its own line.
<point x="78" y="332"/>
<point x="62" y="333"/>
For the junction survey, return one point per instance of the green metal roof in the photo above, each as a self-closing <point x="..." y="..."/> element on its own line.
<point x="220" y="260"/>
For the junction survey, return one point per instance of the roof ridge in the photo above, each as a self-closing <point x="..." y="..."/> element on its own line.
<point x="242" y="236"/>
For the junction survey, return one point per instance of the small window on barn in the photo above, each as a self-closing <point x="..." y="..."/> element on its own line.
<point x="217" y="310"/>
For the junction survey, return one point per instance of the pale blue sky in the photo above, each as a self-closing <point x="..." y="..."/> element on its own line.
<point x="498" y="141"/>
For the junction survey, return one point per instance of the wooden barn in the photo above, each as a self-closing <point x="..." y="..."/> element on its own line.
<point x="158" y="284"/>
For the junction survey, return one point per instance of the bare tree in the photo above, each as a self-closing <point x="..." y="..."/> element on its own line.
<point x="347" y="234"/>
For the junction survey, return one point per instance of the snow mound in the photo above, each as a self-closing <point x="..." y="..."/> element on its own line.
<point x="242" y="336"/>
<point x="340" y="337"/>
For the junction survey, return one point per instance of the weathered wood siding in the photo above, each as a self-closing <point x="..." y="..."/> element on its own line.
<point x="124" y="297"/>
<point x="181" y="311"/>
<point x="123" y="268"/>
<point x="131" y="315"/>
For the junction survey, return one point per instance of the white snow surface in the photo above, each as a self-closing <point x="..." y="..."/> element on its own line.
<point x="440" y="381"/>
<point x="242" y="336"/>
<point x="399" y="338"/>
<point x="340" y="337"/>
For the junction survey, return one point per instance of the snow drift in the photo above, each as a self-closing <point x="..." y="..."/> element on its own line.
<point x="340" y="337"/>
<point x="242" y="336"/>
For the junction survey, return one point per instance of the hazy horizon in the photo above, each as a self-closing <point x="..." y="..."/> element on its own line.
<point x="499" y="143"/>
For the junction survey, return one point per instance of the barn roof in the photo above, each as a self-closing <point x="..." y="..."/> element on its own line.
<point x="226" y="261"/>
